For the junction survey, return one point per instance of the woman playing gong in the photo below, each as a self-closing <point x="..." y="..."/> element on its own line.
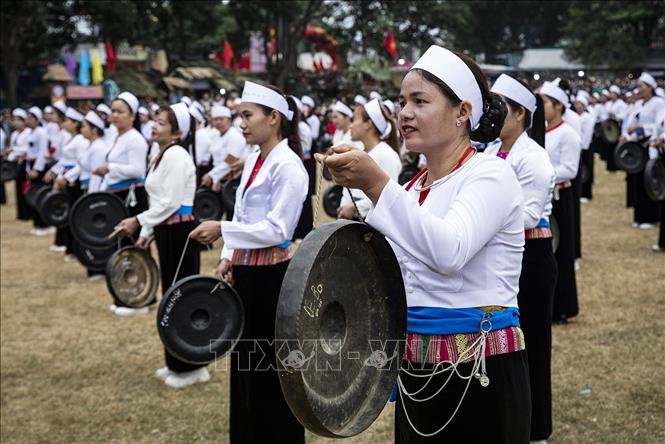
<point x="457" y="230"/>
<point x="269" y="201"/>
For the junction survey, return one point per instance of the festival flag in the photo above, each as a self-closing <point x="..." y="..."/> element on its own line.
<point x="97" y="70"/>
<point x="70" y="63"/>
<point x="391" y="45"/>
<point x="84" y="68"/>
<point x="272" y="45"/>
<point x="244" y="62"/>
<point x="227" y="55"/>
<point x="110" y="57"/>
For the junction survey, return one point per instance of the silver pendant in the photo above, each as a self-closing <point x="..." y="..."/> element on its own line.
<point x="484" y="381"/>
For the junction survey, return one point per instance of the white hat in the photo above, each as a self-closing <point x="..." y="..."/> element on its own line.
<point x="48" y="109"/>
<point x="60" y="106"/>
<point x="143" y="111"/>
<point x="515" y="91"/>
<point x="307" y="100"/>
<point x="660" y="92"/>
<point x="629" y="94"/>
<point x="373" y="108"/>
<point x="197" y="113"/>
<point x="390" y="105"/>
<point x="648" y="79"/>
<point x="103" y="108"/>
<point x="154" y="107"/>
<point x="615" y="89"/>
<point x="220" y="111"/>
<point x="74" y="115"/>
<point x="186" y="100"/>
<point x="551" y="90"/>
<point x="342" y="109"/>
<point x="94" y="119"/>
<point x="582" y="92"/>
<point x="20" y="113"/>
<point x="605" y="92"/>
<point x="130" y="99"/>
<point x="596" y="96"/>
<point x="259" y="94"/>
<point x="183" y="117"/>
<point x="452" y="71"/>
<point x="299" y="103"/>
<point x="374" y="95"/>
<point x="360" y="100"/>
<point x="35" y="111"/>
<point x="582" y="99"/>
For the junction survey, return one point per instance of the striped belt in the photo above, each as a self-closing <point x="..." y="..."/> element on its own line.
<point x="433" y="349"/>
<point x="564" y="185"/>
<point x="178" y="218"/>
<point x="261" y="256"/>
<point x="537" y="233"/>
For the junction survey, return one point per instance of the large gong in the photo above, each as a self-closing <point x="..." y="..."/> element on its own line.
<point x="340" y="328"/>
<point x="200" y="319"/>
<point x="654" y="179"/>
<point x="55" y="207"/>
<point x="229" y="194"/>
<point x="630" y="157"/>
<point x="93" y="217"/>
<point x="93" y="258"/>
<point x="132" y="276"/>
<point x="207" y="205"/>
<point x="610" y="131"/>
<point x="8" y="170"/>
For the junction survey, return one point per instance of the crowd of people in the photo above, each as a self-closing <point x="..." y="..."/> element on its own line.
<point x="472" y="230"/>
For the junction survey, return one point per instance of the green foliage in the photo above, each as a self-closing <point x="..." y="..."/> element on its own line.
<point x="613" y="33"/>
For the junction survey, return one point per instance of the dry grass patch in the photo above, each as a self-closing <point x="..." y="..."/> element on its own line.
<point x="71" y="372"/>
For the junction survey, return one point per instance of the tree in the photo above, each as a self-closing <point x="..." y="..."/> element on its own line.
<point x="31" y="30"/>
<point x="613" y="33"/>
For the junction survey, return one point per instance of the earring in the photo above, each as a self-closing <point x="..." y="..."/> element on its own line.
<point x="458" y="123"/>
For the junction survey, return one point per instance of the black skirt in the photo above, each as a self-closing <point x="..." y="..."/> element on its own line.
<point x="577" y="216"/>
<point x="588" y="160"/>
<point x="611" y="164"/>
<point x="535" y="300"/>
<point x="170" y="241"/>
<point x="565" y="294"/>
<point x="498" y="413"/>
<point x="259" y="412"/>
<point x="37" y="220"/>
<point x="645" y="209"/>
<point x="22" y="208"/>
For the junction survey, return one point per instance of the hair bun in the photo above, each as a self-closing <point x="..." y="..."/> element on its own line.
<point x="491" y="121"/>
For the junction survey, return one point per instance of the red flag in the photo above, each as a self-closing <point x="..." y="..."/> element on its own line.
<point x="244" y="62"/>
<point x="272" y="45"/>
<point x="391" y="45"/>
<point x="110" y="57"/>
<point x="227" y="56"/>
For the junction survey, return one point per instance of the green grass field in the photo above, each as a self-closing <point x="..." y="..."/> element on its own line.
<point x="72" y="372"/>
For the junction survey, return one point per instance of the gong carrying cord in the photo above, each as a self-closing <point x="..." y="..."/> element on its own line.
<point x="319" y="179"/>
<point x="478" y="370"/>
<point x="182" y="256"/>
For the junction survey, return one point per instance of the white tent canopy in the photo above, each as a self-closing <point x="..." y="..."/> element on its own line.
<point x="546" y="59"/>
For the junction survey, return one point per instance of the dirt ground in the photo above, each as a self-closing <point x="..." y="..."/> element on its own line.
<point x="72" y="372"/>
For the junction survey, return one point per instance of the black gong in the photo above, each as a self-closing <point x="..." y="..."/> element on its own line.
<point x="207" y="205"/>
<point x="200" y="319"/>
<point x="630" y="157"/>
<point x="229" y="194"/>
<point x="610" y="131"/>
<point x="340" y="328"/>
<point x="93" y="217"/>
<point x="31" y="196"/>
<point x="332" y="198"/>
<point x="654" y="179"/>
<point x="93" y="258"/>
<point x="55" y="208"/>
<point x="8" y="170"/>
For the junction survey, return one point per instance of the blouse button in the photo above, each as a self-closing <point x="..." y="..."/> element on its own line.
<point x="409" y="289"/>
<point x="409" y="275"/>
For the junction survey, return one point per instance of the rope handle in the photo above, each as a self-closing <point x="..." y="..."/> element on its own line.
<point x="319" y="178"/>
